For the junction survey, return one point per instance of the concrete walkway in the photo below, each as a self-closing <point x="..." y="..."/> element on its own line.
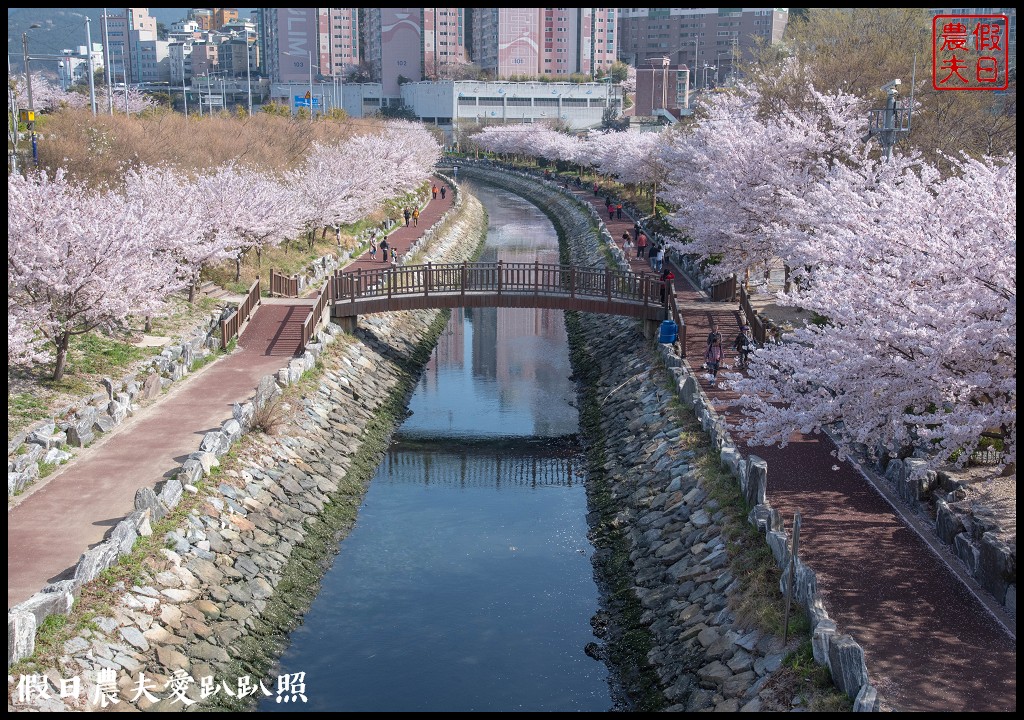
<point x="59" y="518"/>
<point x="930" y="642"/>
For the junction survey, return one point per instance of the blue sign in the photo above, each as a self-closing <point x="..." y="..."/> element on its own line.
<point x="304" y="102"/>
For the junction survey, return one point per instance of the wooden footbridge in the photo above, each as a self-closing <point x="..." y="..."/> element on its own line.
<point x="499" y="284"/>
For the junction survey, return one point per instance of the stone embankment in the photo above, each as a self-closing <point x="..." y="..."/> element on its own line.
<point x="203" y="619"/>
<point x="704" y="657"/>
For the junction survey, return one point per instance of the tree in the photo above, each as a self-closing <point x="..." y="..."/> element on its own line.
<point x="76" y="261"/>
<point x="730" y="174"/>
<point x="916" y="276"/>
<point x="858" y="50"/>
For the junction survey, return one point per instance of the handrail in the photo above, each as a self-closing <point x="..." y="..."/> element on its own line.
<point x="230" y="325"/>
<point x="502" y="278"/>
<point x="317" y="313"/>
<point x="283" y="285"/>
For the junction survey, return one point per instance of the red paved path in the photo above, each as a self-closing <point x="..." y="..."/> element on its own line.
<point x="71" y="511"/>
<point x="930" y="644"/>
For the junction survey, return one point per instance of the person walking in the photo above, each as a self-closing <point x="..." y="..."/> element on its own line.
<point x="433" y="191"/>
<point x="597" y="189"/>
<point x="713" y="358"/>
<point x="394" y="256"/>
<point x="742" y="345"/>
<point x="384" y="249"/>
<point x="611" y="210"/>
<point x="714" y="336"/>
<point x="416" y="217"/>
<point x="618" y="211"/>
<point x="659" y="258"/>
<point x="373" y="248"/>
<point x="407" y="214"/>
<point x="627" y="243"/>
<point x="636" y="230"/>
<point x="667" y="276"/>
<point x="444" y="188"/>
<point x="641" y="245"/>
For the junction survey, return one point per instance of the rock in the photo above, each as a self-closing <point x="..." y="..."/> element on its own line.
<point x="171" y="658"/>
<point x="152" y="386"/>
<point x="846" y="661"/>
<point x="95" y="560"/>
<point x="146" y="499"/>
<point x="21" y="635"/>
<point x="170" y="494"/>
<point x="134" y="637"/>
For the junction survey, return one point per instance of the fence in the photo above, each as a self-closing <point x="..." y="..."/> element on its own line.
<point x="317" y="313"/>
<point x="500" y="278"/>
<point x="283" y="285"/>
<point x="230" y="325"/>
<point x="725" y="290"/>
<point x="677" y="318"/>
<point x="758" y="326"/>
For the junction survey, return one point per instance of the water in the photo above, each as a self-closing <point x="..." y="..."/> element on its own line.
<point x="466" y="584"/>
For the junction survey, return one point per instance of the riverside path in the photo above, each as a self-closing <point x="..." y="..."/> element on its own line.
<point x="60" y="517"/>
<point x="932" y="641"/>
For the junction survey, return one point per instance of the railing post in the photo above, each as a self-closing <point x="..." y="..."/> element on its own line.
<point x="223" y="335"/>
<point x="426" y="283"/>
<point x="352" y="291"/>
<point x="536" y="277"/>
<point x="643" y="288"/>
<point x="465" y="270"/>
<point x="572" y="281"/>
<point x="608" y="286"/>
<point x="499" y="277"/>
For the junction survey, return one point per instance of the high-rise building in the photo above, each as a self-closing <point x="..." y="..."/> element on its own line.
<point x="130" y="47"/>
<point x="413" y="44"/>
<point x="293" y="38"/>
<point x="543" y="41"/>
<point x="708" y="41"/>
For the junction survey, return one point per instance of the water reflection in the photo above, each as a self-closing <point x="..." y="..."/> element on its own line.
<point x="466" y="584"/>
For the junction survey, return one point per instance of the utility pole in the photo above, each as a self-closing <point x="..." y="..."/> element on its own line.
<point x="184" y="92"/>
<point x="108" y="60"/>
<point x="88" y="55"/>
<point x="248" y="81"/>
<point x="31" y="108"/>
<point x="890" y="122"/>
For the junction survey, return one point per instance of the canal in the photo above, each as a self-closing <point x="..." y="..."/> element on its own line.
<point x="466" y="584"/>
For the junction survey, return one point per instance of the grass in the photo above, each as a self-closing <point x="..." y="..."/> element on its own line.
<point x="33" y="395"/>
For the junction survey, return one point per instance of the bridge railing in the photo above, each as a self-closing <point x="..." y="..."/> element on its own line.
<point x="499" y="277"/>
<point x="316" y="314"/>
<point x="229" y="326"/>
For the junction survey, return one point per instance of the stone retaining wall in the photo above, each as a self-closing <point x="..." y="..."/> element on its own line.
<point x="221" y="570"/>
<point x="705" y="660"/>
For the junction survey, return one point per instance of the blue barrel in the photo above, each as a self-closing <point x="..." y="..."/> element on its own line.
<point x="669" y="330"/>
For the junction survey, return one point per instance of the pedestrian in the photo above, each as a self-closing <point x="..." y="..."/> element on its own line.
<point x="384" y="249"/>
<point x="618" y="211"/>
<point x="433" y="191"/>
<point x="626" y="244"/>
<point x="444" y="189"/>
<point x="659" y="258"/>
<point x="611" y="210"/>
<point x="641" y="245"/>
<point x="416" y="217"/>
<point x="373" y="248"/>
<point x="667" y="276"/>
<point x="714" y="336"/>
<point x="742" y="344"/>
<point x="394" y="256"/>
<point x="597" y="189"/>
<point x="713" y="358"/>
<point x="407" y="214"/>
<point x="636" y="230"/>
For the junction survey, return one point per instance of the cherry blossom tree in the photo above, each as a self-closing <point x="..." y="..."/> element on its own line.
<point x="178" y="220"/>
<point x="76" y="261"/>
<point x="916" y="276"/>
<point x="342" y="183"/>
<point x="732" y="175"/>
<point x="634" y="158"/>
<point x="249" y="210"/>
